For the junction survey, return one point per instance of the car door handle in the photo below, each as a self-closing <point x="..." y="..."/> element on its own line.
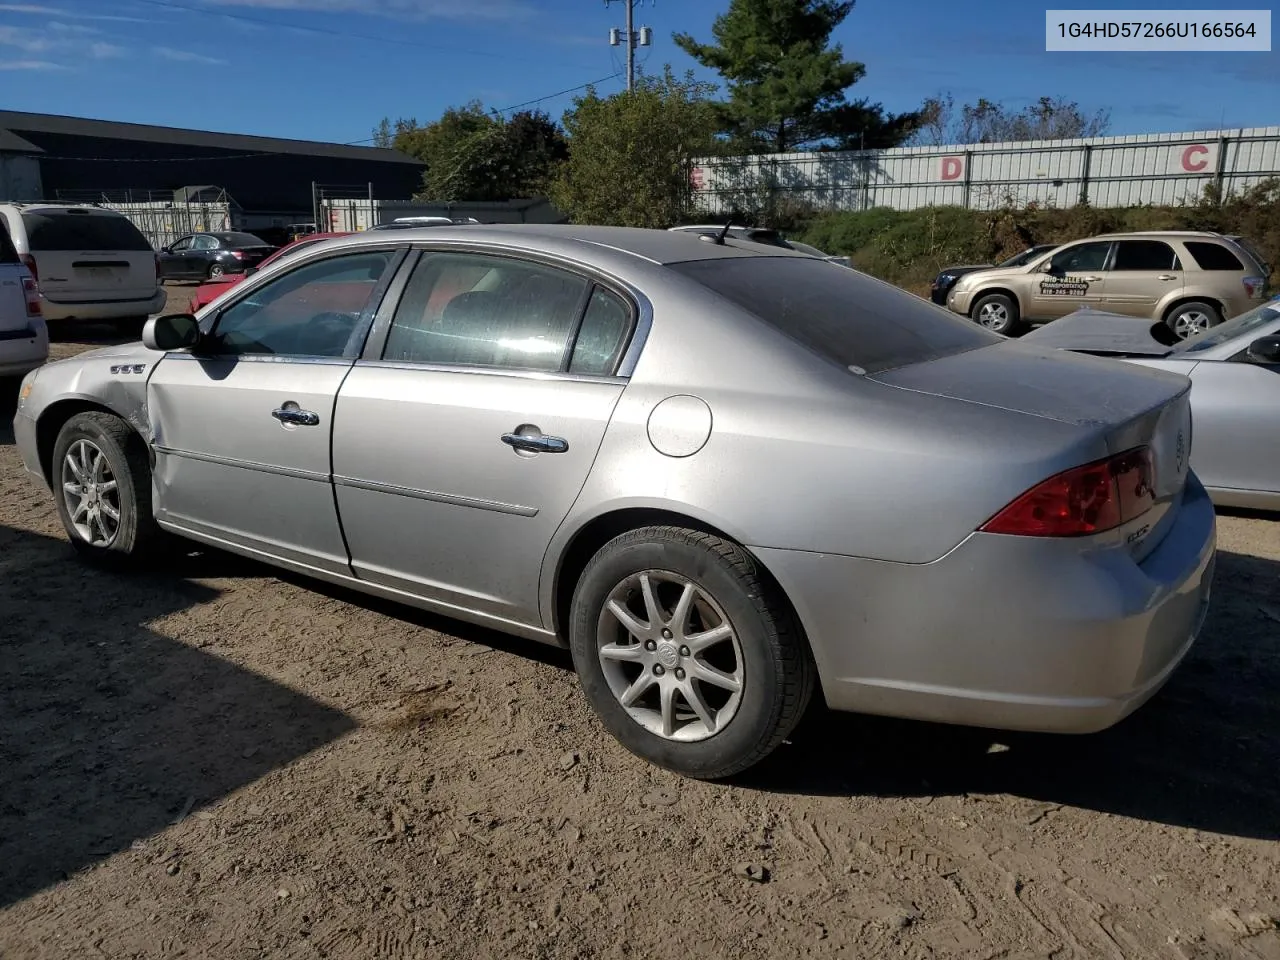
<point x="535" y="444"/>
<point x="1166" y="276"/>
<point x="1092" y="279"/>
<point x="303" y="418"/>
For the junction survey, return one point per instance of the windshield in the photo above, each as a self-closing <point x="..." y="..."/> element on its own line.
<point x="1025" y="257"/>
<point x="1235" y="327"/>
<point x="841" y="315"/>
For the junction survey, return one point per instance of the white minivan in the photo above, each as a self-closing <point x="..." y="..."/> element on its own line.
<point x="24" y="339"/>
<point x="90" y="263"/>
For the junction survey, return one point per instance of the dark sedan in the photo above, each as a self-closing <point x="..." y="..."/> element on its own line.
<point x="210" y="256"/>
<point x="945" y="280"/>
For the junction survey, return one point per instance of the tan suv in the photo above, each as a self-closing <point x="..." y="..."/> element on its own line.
<point x="1189" y="280"/>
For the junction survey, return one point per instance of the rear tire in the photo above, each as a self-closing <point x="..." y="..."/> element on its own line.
<point x="998" y="313"/>
<point x="709" y="659"/>
<point x="101" y="479"/>
<point x="1189" y="319"/>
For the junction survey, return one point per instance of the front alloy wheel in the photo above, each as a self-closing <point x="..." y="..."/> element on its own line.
<point x="91" y="493"/>
<point x="670" y="656"/>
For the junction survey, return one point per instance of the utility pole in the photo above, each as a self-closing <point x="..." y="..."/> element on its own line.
<point x="633" y="39"/>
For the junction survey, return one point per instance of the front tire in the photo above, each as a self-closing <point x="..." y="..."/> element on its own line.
<point x="687" y="652"/>
<point x="1192" y="319"/>
<point x="101" y="480"/>
<point x="217" y="271"/>
<point x="998" y="313"/>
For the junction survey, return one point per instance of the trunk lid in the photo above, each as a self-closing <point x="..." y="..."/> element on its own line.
<point x="89" y="255"/>
<point x="1126" y="404"/>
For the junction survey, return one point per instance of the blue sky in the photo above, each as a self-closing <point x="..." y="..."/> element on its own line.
<point x="330" y="69"/>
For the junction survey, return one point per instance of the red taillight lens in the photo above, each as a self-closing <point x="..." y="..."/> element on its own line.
<point x="1083" y="500"/>
<point x="29" y="262"/>
<point x="238" y="254"/>
<point x="32" y="293"/>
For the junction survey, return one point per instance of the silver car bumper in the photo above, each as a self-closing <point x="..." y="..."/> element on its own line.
<point x="24" y="435"/>
<point x="1016" y="633"/>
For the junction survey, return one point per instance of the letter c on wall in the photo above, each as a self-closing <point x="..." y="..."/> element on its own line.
<point x="1198" y="151"/>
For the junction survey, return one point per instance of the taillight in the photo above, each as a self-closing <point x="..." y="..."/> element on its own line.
<point x="29" y="262"/>
<point x="238" y="254"/>
<point x="1255" y="287"/>
<point x="32" y="293"/>
<point x="1096" y="497"/>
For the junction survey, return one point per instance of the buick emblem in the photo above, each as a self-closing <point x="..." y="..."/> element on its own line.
<point x="1179" y="452"/>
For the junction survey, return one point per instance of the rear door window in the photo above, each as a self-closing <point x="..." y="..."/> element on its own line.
<point x="1148" y="255"/>
<point x="1213" y="256"/>
<point x="57" y="230"/>
<point x="840" y="315"/>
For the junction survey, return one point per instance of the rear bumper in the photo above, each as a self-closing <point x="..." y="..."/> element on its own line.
<point x="23" y="352"/>
<point x="103" y="309"/>
<point x="1012" y="633"/>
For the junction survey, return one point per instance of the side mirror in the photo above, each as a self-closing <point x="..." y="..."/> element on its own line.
<point x="173" y="331"/>
<point x="1264" y="350"/>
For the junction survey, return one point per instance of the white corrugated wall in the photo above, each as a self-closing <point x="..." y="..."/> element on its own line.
<point x="1166" y="168"/>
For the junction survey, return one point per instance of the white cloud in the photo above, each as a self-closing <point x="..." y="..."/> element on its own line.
<point x="40" y="9"/>
<point x="185" y="56"/>
<point x="30" y="65"/>
<point x="106" y="51"/>
<point x="403" y="9"/>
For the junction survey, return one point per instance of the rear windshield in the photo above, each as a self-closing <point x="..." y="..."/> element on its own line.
<point x="241" y="240"/>
<point x="840" y="315"/>
<point x="55" y="230"/>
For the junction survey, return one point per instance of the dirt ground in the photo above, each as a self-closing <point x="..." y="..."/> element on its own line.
<point x="215" y="761"/>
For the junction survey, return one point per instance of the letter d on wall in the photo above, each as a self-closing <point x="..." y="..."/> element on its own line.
<point x="952" y="168"/>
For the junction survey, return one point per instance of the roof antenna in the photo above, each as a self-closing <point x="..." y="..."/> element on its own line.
<point x="718" y="239"/>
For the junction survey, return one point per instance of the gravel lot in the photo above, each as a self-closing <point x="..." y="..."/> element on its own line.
<point x="215" y="761"/>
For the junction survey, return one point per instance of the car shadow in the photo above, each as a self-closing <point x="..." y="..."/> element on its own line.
<point x="1203" y="753"/>
<point x="111" y="730"/>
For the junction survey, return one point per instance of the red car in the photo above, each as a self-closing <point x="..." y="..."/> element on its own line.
<point x="209" y="291"/>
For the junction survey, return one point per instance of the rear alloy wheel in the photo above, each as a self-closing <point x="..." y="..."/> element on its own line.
<point x="102" y="488"/>
<point x="997" y="312"/>
<point x="687" y="652"/>
<point x="217" y="271"/>
<point x="1192" y="319"/>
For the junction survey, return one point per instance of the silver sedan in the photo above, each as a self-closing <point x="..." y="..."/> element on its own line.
<point x="723" y="475"/>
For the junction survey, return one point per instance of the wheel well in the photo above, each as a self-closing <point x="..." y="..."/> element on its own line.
<point x="50" y="424"/>
<point x="587" y="541"/>
<point x="994" y="290"/>
<point x="1182" y="301"/>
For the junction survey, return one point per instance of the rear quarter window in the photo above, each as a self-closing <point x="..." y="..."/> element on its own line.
<point x="841" y="315"/>
<point x="59" y="231"/>
<point x="1213" y="256"/>
<point x="8" y="252"/>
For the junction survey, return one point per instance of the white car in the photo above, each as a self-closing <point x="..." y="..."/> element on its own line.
<point x="24" y="338"/>
<point x="89" y="263"/>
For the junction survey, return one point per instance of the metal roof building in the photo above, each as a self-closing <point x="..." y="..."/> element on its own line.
<point x="47" y="157"/>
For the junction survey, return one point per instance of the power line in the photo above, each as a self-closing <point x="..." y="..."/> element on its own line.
<point x="558" y="93"/>
<point x="344" y="34"/>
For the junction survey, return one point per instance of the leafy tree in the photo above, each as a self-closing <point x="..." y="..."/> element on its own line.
<point x="787" y="81"/>
<point x="499" y="160"/>
<point x="1049" y="118"/>
<point x="631" y="154"/>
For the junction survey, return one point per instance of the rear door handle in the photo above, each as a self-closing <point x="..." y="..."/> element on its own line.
<point x="303" y="418"/>
<point x="1166" y="276"/>
<point x="536" y="443"/>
